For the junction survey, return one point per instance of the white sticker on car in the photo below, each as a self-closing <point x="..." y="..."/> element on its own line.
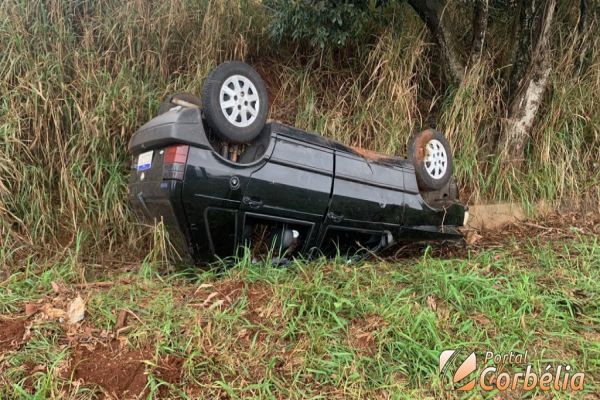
<point x="145" y="161"/>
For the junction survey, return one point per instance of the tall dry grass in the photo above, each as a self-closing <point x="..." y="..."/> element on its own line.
<point x="77" y="79"/>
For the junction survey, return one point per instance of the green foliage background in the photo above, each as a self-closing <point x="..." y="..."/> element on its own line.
<point x="78" y="78"/>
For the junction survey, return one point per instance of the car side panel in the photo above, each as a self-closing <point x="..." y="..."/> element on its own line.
<point x="366" y="194"/>
<point x="295" y="182"/>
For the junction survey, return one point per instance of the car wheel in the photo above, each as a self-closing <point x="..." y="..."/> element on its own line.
<point x="235" y="102"/>
<point x="179" y="99"/>
<point x="431" y="156"/>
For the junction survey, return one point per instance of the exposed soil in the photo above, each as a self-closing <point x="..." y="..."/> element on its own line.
<point x="223" y="293"/>
<point x="116" y="372"/>
<point x="361" y="333"/>
<point x="260" y="308"/>
<point x="169" y="369"/>
<point x="229" y="291"/>
<point x="555" y="227"/>
<point x="494" y="216"/>
<point x="119" y="372"/>
<point x="11" y="334"/>
<point x="294" y="356"/>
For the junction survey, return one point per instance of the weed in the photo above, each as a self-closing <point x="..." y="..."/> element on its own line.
<point x="329" y="329"/>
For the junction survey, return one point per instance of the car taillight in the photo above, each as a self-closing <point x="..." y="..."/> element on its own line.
<point x="174" y="161"/>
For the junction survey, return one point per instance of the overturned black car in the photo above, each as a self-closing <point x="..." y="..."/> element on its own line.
<point x="221" y="177"/>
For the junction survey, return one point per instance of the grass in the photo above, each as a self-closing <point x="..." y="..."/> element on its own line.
<point x="324" y="329"/>
<point x="78" y="78"/>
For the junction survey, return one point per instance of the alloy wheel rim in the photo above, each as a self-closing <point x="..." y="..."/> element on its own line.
<point x="239" y="101"/>
<point x="436" y="159"/>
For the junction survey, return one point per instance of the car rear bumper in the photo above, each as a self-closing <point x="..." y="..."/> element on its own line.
<point x="183" y="126"/>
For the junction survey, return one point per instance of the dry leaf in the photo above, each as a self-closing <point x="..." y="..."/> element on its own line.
<point x="216" y="304"/>
<point x="432" y="303"/>
<point x="31" y="308"/>
<point x="121" y="320"/>
<point x="76" y="310"/>
<point x="481" y="319"/>
<point x="209" y="298"/>
<point x="472" y="237"/>
<point x="202" y="286"/>
<point x="55" y="287"/>
<point x="51" y="312"/>
<point x="38" y="368"/>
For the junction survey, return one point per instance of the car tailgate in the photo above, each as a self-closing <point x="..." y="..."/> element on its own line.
<point x="155" y="185"/>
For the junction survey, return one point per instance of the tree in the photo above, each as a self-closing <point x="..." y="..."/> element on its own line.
<point x="326" y="23"/>
<point x="431" y="12"/>
<point x="322" y="23"/>
<point x="531" y="84"/>
<point x="480" y="23"/>
<point x="337" y="21"/>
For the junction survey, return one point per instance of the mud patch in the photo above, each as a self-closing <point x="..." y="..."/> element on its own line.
<point x="12" y="332"/>
<point x="119" y="372"/>
<point x="169" y="369"/>
<point x="361" y="333"/>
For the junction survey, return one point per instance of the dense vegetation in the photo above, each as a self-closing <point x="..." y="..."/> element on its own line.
<point x="77" y="79"/>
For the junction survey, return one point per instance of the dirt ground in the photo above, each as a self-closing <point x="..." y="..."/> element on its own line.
<point x="362" y="331"/>
<point x="11" y="334"/>
<point x="120" y="373"/>
<point x="99" y="359"/>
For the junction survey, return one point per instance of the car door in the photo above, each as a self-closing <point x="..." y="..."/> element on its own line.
<point x="295" y="183"/>
<point x="212" y="197"/>
<point x="366" y="207"/>
<point x="367" y="195"/>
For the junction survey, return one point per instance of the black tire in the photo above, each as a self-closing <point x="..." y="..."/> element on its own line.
<point x="225" y="126"/>
<point x="432" y="169"/>
<point x="168" y="103"/>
